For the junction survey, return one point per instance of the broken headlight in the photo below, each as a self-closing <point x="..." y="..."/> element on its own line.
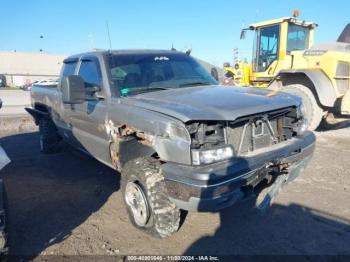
<point x="208" y="142"/>
<point x="178" y="132"/>
<point x="208" y="156"/>
<point x="302" y="121"/>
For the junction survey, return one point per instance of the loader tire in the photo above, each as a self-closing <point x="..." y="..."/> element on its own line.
<point x="146" y="200"/>
<point x="312" y="111"/>
<point x="49" y="138"/>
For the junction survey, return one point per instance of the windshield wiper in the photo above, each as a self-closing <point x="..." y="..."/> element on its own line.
<point x="195" y="84"/>
<point x="145" y="89"/>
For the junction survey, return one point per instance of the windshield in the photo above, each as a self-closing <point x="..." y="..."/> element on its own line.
<point x="138" y="73"/>
<point x="298" y="38"/>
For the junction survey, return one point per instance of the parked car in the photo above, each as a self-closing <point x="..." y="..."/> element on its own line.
<point x="179" y="140"/>
<point x="2" y="81"/>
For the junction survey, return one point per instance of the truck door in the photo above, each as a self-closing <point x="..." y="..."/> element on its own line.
<point x="88" y="119"/>
<point x="61" y="112"/>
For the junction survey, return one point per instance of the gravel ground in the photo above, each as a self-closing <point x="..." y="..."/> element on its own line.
<point x="69" y="203"/>
<point x="14" y="101"/>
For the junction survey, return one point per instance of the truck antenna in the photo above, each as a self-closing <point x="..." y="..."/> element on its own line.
<point x="108" y="34"/>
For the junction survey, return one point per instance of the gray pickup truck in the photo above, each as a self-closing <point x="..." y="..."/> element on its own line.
<point x="179" y="140"/>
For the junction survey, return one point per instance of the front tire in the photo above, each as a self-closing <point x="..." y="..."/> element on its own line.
<point x="49" y="138"/>
<point x="312" y="111"/>
<point x="146" y="198"/>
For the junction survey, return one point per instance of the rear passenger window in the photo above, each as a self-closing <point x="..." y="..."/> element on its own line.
<point x="90" y="73"/>
<point x="69" y="68"/>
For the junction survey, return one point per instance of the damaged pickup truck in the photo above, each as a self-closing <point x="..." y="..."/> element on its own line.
<point x="179" y="140"/>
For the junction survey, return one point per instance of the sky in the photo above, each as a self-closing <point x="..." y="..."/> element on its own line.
<point x="210" y="27"/>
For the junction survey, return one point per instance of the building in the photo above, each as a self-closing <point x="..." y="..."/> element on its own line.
<point x="20" y="68"/>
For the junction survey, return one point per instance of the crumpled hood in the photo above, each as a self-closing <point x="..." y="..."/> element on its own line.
<point x="212" y="102"/>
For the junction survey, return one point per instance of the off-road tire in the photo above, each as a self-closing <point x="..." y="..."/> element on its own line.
<point x="164" y="218"/>
<point x="49" y="137"/>
<point x="313" y="112"/>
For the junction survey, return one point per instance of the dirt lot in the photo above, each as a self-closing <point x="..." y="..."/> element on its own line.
<point x="68" y="203"/>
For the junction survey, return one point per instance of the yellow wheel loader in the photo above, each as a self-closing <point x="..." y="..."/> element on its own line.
<point x="285" y="58"/>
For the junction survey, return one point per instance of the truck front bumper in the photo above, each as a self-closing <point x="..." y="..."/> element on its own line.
<point x="217" y="186"/>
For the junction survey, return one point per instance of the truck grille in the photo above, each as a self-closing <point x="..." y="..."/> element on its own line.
<point x="261" y="131"/>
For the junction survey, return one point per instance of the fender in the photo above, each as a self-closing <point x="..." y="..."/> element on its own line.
<point x="127" y="148"/>
<point x="36" y="114"/>
<point x="322" y="84"/>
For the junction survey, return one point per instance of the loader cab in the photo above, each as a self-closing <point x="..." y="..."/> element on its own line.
<point x="266" y="47"/>
<point x="275" y="42"/>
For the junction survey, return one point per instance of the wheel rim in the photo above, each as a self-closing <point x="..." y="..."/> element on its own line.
<point x="136" y="200"/>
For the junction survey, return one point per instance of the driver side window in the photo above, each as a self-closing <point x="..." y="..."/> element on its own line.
<point x="90" y="73"/>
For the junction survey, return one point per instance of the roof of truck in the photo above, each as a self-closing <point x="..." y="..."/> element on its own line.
<point x="127" y="52"/>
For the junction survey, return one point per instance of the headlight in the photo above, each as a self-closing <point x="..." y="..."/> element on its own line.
<point x="312" y="52"/>
<point x="302" y="123"/>
<point x="178" y="132"/>
<point x="202" y="156"/>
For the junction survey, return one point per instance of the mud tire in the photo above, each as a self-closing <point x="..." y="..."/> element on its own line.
<point x="164" y="216"/>
<point x="49" y="138"/>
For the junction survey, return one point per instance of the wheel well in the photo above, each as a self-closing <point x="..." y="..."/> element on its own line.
<point x="38" y="112"/>
<point x="128" y="148"/>
<point x="299" y="78"/>
<point x="41" y="107"/>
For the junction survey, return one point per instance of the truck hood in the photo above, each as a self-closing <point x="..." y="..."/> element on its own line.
<point x="212" y="102"/>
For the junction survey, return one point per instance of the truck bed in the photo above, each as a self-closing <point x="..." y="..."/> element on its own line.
<point x="45" y="95"/>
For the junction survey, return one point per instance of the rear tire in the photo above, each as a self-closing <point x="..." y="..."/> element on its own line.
<point x="312" y="111"/>
<point x="152" y="212"/>
<point x="49" y="138"/>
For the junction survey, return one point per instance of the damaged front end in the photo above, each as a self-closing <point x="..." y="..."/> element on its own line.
<point x="167" y="140"/>
<point x="231" y="159"/>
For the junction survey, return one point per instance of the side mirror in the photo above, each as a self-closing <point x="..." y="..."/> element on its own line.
<point x="73" y="90"/>
<point x="214" y="73"/>
<point x="243" y="33"/>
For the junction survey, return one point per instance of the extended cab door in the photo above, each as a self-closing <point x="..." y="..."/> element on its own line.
<point x="87" y="120"/>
